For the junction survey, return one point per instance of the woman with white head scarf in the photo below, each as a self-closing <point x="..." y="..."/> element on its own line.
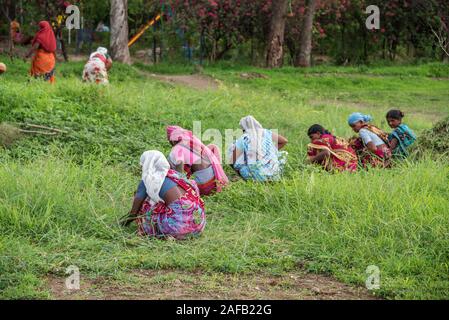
<point x="166" y="204"/>
<point x="96" y="69"/>
<point x="255" y="155"/>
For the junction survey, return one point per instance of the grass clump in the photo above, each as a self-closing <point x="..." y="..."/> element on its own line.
<point x="436" y="140"/>
<point x="8" y="134"/>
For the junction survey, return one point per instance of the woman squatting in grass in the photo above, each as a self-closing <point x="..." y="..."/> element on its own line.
<point x="97" y="67"/>
<point x="255" y="155"/>
<point x="331" y="152"/>
<point x="402" y="136"/>
<point x="372" y="146"/>
<point x="200" y="162"/>
<point x="166" y="203"/>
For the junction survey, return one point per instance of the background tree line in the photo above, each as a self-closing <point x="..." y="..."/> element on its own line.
<point x="266" y="32"/>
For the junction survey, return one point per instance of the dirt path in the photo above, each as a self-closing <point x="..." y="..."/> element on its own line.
<point x="194" y="81"/>
<point x="167" y="285"/>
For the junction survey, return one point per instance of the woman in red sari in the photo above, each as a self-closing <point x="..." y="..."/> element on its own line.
<point x="44" y="47"/>
<point x="329" y="151"/>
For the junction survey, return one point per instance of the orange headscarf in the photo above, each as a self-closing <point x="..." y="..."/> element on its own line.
<point x="14" y="26"/>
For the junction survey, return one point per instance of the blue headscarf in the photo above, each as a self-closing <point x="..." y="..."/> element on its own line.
<point x="357" y="116"/>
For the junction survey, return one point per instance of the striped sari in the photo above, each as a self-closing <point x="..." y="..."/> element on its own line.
<point x="382" y="156"/>
<point x="267" y="166"/>
<point x="342" y="156"/>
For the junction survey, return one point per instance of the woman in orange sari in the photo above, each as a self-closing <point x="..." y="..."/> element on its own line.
<point x="44" y="47"/>
<point x="329" y="151"/>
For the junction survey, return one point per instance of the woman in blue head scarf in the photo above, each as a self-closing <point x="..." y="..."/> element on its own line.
<point x="372" y="145"/>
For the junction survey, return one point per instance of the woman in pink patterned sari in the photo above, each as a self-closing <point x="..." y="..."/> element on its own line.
<point x="166" y="204"/>
<point x="200" y="162"/>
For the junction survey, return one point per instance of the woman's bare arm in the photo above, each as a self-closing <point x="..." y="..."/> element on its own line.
<point x="236" y="153"/>
<point x="319" y="157"/>
<point x="393" y="143"/>
<point x="32" y="49"/>
<point x="280" y="141"/>
<point x="180" y="168"/>
<point x="109" y="64"/>
<point x="137" y="204"/>
<point x="371" y="147"/>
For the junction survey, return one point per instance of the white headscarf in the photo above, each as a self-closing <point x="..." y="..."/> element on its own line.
<point x="100" y="50"/>
<point x="154" y="170"/>
<point x="255" y="132"/>
<point x="250" y="123"/>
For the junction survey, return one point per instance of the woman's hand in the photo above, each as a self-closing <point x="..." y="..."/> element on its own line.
<point x="371" y="147"/>
<point x="32" y="49"/>
<point x="320" y="157"/>
<point x="127" y="219"/>
<point x="109" y="64"/>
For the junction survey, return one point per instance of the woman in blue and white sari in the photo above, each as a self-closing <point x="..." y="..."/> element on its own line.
<point x="255" y="155"/>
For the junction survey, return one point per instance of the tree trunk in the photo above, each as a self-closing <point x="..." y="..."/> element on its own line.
<point x="305" y="51"/>
<point x="446" y="52"/>
<point x="275" y="52"/>
<point x="119" y="31"/>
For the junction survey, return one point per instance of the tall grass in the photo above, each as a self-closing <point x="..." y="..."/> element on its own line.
<point x="54" y="213"/>
<point x="61" y="198"/>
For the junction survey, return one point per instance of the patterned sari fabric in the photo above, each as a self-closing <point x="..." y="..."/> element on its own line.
<point x="95" y="70"/>
<point x="206" y="187"/>
<point x="405" y="137"/>
<point x="43" y="65"/>
<point x="342" y="156"/>
<point x="382" y="156"/>
<point x="267" y="166"/>
<point x="205" y="179"/>
<point x="181" y="219"/>
<point x="189" y="150"/>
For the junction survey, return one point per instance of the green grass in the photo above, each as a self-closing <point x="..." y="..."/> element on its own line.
<point x="60" y="198"/>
